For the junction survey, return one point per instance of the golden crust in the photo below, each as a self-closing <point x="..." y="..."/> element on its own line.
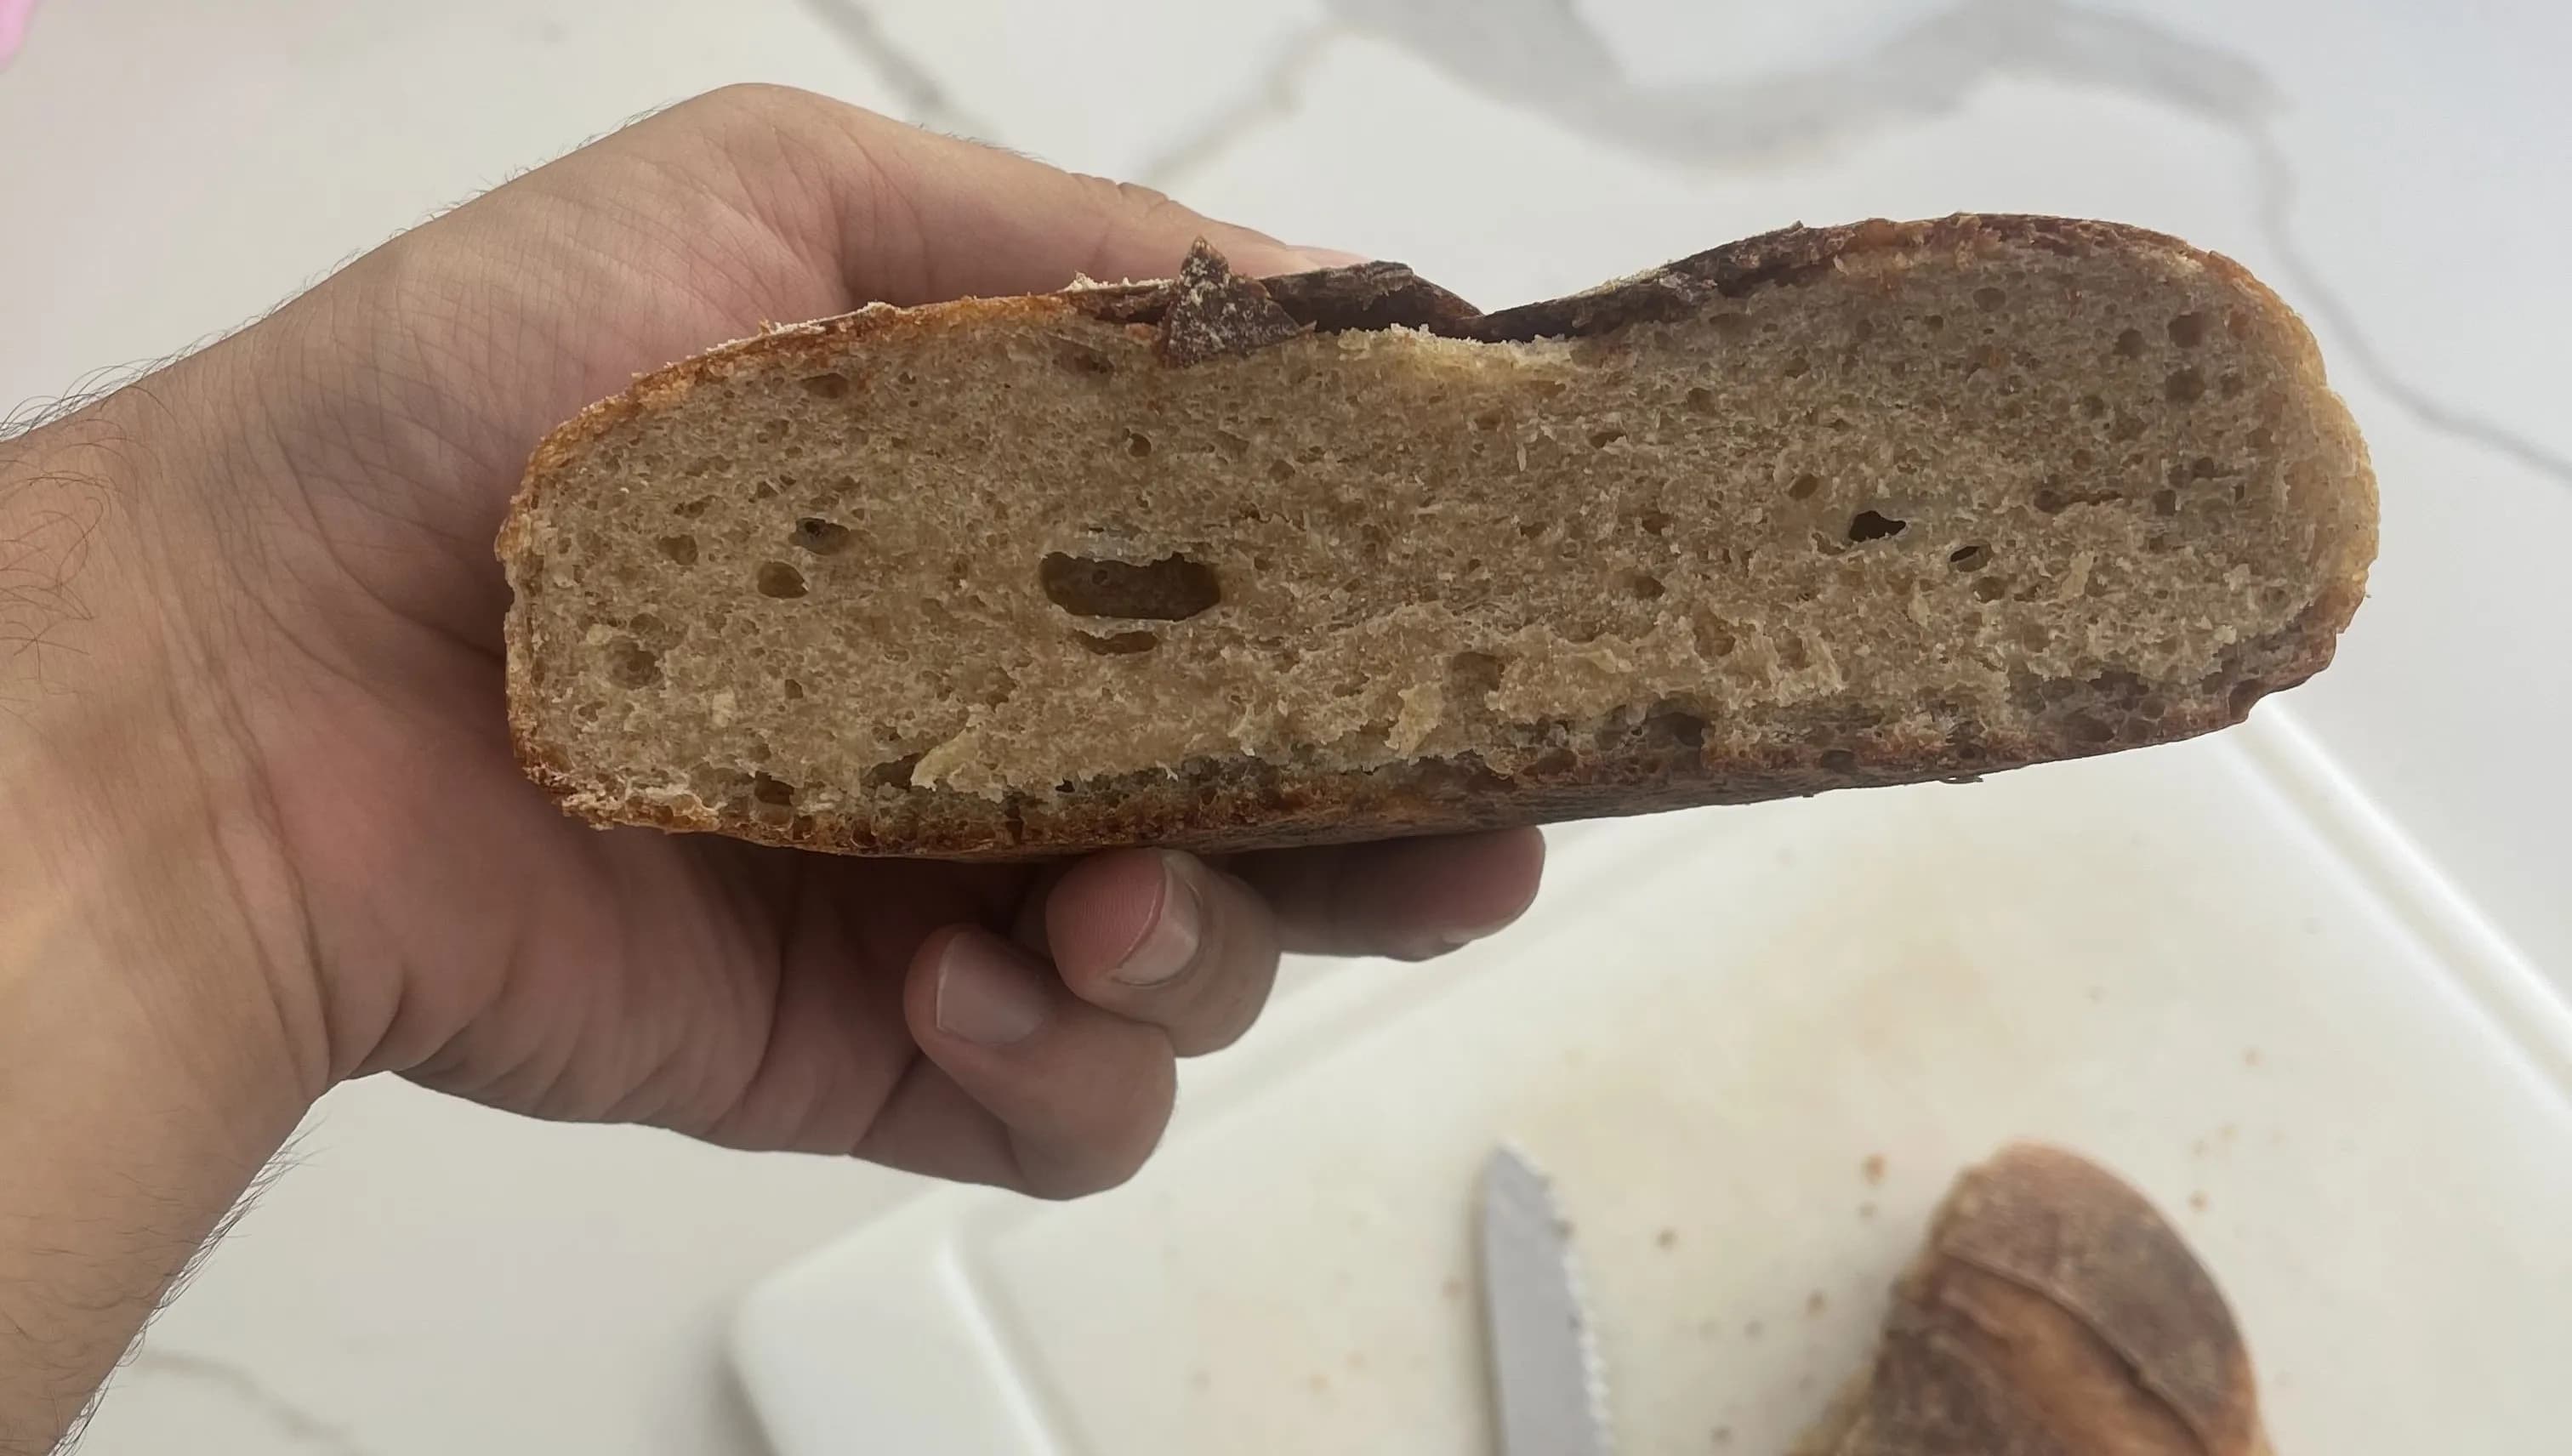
<point x="2051" y="1312"/>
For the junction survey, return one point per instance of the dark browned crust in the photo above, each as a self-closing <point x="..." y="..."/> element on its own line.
<point x="1239" y="803"/>
<point x="1214" y="312"/>
<point x="2052" y="1313"/>
<point x="1792" y="257"/>
<point x="1328" y="301"/>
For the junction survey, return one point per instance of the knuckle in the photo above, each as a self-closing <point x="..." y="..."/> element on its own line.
<point x="751" y="98"/>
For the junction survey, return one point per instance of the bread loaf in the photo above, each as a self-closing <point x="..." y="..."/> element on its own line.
<point x="1224" y="563"/>
<point x="2051" y="1312"/>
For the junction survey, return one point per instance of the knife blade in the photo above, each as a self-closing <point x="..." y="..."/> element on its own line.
<point x="1549" y="1388"/>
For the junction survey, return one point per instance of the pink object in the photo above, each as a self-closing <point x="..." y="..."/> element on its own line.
<point x="13" y="26"/>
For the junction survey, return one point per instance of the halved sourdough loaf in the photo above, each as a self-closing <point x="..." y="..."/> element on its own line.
<point x="1224" y="563"/>
<point x="2051" y="1312"/>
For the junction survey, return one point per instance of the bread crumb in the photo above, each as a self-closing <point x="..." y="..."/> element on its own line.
<point x="2250" y="1056"/>
<point x="1201" y="1379"/>
<point x="1666" y="1237"/>
<point x="1451" y="1289"/>
<point x="1816" y="1303"/>
<point x="1873" y="1167"/>
<point x="2196" y="1201"/>
<point x="1319" y="1383"/>
<point x="1723" y="1435"/>
<point x="1866" y="1209"/>
<point x="1753" y="1330"/>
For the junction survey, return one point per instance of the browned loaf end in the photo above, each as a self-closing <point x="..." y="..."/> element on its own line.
<point x="1225" y="563"/>
<point x="2052" y="1313"/>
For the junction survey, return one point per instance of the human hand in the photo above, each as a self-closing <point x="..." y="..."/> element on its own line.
<point x="417" y="906"/>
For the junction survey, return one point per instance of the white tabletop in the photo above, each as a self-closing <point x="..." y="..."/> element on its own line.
<point x="427" y="1277"/>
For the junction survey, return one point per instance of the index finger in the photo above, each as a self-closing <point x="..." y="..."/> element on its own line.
<point x="907" y="216"/>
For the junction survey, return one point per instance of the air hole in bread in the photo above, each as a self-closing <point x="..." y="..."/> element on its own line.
<point x="1839" y="761"/>
<point x="2130" y="345"/>
<point x="1972" y="557"/>
<point x="1798" y="367"/>
<point x="779" y="580"/>
<point x="1934" y="322"/>
<point x="1642" y="585"/>
<point x="1990" y="588"/>
<point x="1869" y="525"/>
<point x="1701" y="399"/>
<point x="820" y="537"/>
<point x="895" y="773"/>
<point x="1171" y="590"/>
<point x="1119" y="644"/>
<point x="1803" y="486"/>
<point x="2183" y="386"/>
<point x="2053" y="499"/>
<point x="1489" y="420"/>
<point x="1989" y="298"/>
<point x="2093" y="407"/>
<point x="2165" y="502"/>
<point x="1654" y="522"/>
<point x="794" y="690"/>
<point x="1232" y="444"/>
<point x="827" y="385"/>
<point x="692" y="508"/>
<point x="771" y="790"/>
<point x="1080" y="359"/>
<point x="681" y="550"/>
<point x="1793" y="654"/>
<point x="1715" y="636"/>
<point x="2188" y="331"/>
<point x="1137" y="444"/>
<point x="1674" y="723"/>
<point x="633" y="665"/>
<point x="1600" y="439"/>
<point x="1474" y="674"/>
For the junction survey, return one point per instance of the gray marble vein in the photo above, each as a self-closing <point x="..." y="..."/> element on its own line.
<point x="298" y="1428"/>
<point x="1548" y="56"/>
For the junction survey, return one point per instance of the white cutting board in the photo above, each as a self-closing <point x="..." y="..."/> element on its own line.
<point x="1753" y="1046"/>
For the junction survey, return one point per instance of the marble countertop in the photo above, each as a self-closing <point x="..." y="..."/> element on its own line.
<point x="424" y="1276"/>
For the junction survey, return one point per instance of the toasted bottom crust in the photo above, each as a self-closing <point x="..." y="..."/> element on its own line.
<point x="1238" y="804"/>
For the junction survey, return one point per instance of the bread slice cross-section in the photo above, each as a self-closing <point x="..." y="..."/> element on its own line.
<point x="1224" y="563"/>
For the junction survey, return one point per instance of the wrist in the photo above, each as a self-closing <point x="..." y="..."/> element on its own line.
<point x="142" y="878"/>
